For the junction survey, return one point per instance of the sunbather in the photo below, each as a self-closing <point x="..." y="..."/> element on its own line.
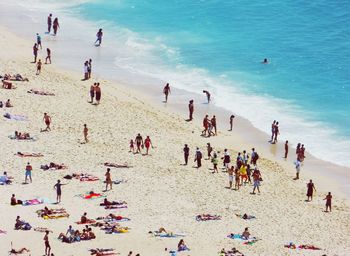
<point x="34" y="91"/>
<point x="245" y="216"/>
<point x="53" y="166"/>
<point x="8" y="104"/>
<point x="8" y="85"/>
<point x="22" y="225"/>
<point x="5" y="179"/>
<point x="108" y="203"/>
<point x="116" y="165"/>
<point x="205" y="217"/>
<point x="21" y="154"/>
<point x="16" y="77"/>
<point x="181" y="246"/>
<point x="14" y="201"/>
<point x="22" y="136"/>
<point x="19" y="251"/>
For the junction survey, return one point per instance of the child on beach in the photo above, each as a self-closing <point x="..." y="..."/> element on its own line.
<point x="230" y="176"/>
<point x="215" y="162"/>
<point x="38" y="67"/>
<point x="237" y="179"/>
<point x="131" y="146"/>
<point x="38" y="40"/>
<point x="48" y="57"/>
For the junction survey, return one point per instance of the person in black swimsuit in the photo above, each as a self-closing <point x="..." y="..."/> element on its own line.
<point x="58" y="186"/>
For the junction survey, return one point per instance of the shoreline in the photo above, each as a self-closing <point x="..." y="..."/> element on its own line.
<point x="160" y="191"/>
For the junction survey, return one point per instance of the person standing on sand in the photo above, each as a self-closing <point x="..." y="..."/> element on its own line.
<point x="191" y="110"/>
<point x="237" y="178"/>
<point x="186" y="151"/>
<point x="148" y="144"/>
<point x="198" y="158"/>
<point x="205" y="125"/>
<point x="55" y="26"/>
<point x="38" y="40"/>
<point x="28" y="173"/>
<point x="215" y="162"/>
<point x="209" y="150"/>
<point x="85" y="131"/>
<point x="98" y="93"/>
<point x="254" y="157"/>
<point x="86" y="70"/>
<point x="108" y="179"/>
<point x="328" y="199"/>
<point x="48" y="57"/>
<point x="286" y="149"/>
<point x="58" y="188"/>
<point x="47" y="120"/>
<point x="166" y="92"/>
<point x="99" y="35"/>
<point x="139" y="143"/>
<point x="310" y="190"/>
<point x="231" y="122"/>
<point x="272" y="130"/>
<point x="213" y="123"/>
<point x="297" y="164"/>
<point x="38" y="67"/>
<point x="35" y="52"/>
<point x="208" y="95"/>
<point x="89" y="68"/>
<point x="230" y="176"/>
<point x="47" y="243"/>
<point x="49" y="23"/>
<point x="92" y="92"/>
<point x="276" y="132"/>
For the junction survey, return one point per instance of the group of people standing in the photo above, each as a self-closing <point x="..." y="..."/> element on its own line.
<point x="95" y="93"/>
<point x="87" y="69"/>
<point x="209" y="125"/>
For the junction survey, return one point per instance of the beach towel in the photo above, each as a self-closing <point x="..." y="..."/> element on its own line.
<point x="239" y="237"/>
<point x="35" y="201"/>
<point x="15" y="117"/>
<point x="206" y="217"/>
<point x="167" y="235"/>
<point x="245" y="216"/>
<point x="119" y="231"/>
<point x="91" y="196"/>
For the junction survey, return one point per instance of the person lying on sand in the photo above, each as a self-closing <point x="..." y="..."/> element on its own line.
<point x="53" y="166"/>
<point x="22" y="136"/>
<point x="19" y="251"/>
<point x="116" y="165"/>
<point x="16" y="77"/>
<point x="107" y="203"/>
<point x="34" y="91"/>
<point x="232" y="252"/>
<point x="24" y="154"/>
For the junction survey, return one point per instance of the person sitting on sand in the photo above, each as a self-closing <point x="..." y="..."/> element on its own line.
<point x="91" y="234"/>
<point x="245" y="234"/>
<point x="5" y="179"/>
<point x="8" y="104"/>
<point x="83" y="218"/>
<point x="181" y="246"/>
<point x="7" y="85"/>
<point x="14" y="201"/>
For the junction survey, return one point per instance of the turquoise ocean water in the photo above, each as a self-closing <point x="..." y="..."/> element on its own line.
<point x="219" y="45"/>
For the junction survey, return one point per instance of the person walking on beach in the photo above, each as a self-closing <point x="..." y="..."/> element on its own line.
<point x="230" y="176"/>
<point x="38" y="67"/>
<point x="297" y="164"/>
<point x="256" y="180"/>
<point x="55" y="26"/>
<point x="276" y="132"/>
<point x="286" y="149"/>
<point x="166" y="92"/>
<point x="148" y="144"/>
<point x="92" y="92"/>
<point x="198" y="158"/>
<point x="237" y="178"/>
<point x="139" y="143"/>
<point x="98" y="93"/>
<point x="186" y="151"/>
<point x="328" y="199"/>
<point x="207" y="94"/>
<point x="209" y="150"/>
<point x="85" y="131"/>
<point x="213" y="123"/>
<point x="231" y="122"/>
<point x="38" y="40"/>
<point x="89" y="68"/>
<point x="35" y="52"/>
<point x="49" y="23"/>
<point x="48" y="57"/>
<point x="99" y="35"/>
<point x="47" y="243"/>
<point x="310" y="190"/>
<point x="227" y="159"/>
<point x="215" y="162"/>
<point x="191" y="110"/>
<point x="132" y="146"/>
<point x="58" y="188"/>
<point x="28" y="173"/>
<point x="254" y="157"/>
<point x="205" y="125"/>
<point x="47" y="120"/>
<point x="108" y="179"/>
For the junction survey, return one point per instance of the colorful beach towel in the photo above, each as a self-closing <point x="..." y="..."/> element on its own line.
<point x="35" y="201"/>
<point x="250" y="240"/>
<point x="91" y="196"/>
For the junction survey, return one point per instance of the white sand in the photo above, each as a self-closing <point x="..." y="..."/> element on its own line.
<point x="160" y="191"/>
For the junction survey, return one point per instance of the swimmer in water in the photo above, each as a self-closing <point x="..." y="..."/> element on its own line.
<point x="265" y="61"/>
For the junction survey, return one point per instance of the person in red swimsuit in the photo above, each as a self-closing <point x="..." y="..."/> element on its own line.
<point x="47" y="120"/>
<point x="148" y="144"/>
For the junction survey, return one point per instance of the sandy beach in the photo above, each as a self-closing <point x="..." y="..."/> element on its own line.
<point x="160" y="191"/>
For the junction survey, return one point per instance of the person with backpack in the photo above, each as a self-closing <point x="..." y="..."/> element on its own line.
<point x="198" y="158"/>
